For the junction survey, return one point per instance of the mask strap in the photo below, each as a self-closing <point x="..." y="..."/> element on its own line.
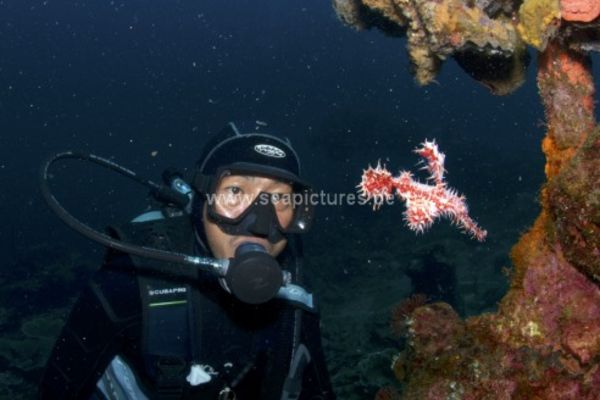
<point x="202" y="183"/>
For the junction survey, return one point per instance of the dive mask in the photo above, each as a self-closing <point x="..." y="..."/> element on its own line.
<point x="268" y="215"/>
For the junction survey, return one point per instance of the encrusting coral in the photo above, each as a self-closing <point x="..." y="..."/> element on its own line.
<point x="492" y="31"/>
<point x="574" y="198"/>
<point x="538" y="21"/>
<point x="437" y="30"/>
<point x="580" y="10"/>
<point x="543" y="343"/>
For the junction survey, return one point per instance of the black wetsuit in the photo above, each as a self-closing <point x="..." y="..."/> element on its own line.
<point x="249" y="348"/>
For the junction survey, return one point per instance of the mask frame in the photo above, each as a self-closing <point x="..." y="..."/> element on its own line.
<point x="262" y="212"/>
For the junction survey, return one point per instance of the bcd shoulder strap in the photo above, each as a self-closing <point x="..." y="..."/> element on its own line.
<point x="169" y="318"/>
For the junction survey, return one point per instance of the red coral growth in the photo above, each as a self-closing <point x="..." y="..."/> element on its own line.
<point x="558" y="309"/>
<point x="387" y="393"/>
<point x="573" y="201"/>
<point x="435" y="328"/>
<point x="544" y="343"/>
<point x="579" y="10"/>
<point x="567" y="90"/>
<point x="403" y="310"/>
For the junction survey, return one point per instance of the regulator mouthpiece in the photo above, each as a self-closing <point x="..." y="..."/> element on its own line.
<point x="253" y="275"/>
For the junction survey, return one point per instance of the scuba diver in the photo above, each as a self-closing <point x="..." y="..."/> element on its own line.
<point x="243" y="329"/>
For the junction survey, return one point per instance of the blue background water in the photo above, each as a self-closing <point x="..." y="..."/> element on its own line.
<point x="147" y="82"/>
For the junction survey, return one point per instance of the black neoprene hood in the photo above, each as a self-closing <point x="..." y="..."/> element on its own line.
<point x="249" y="153"/>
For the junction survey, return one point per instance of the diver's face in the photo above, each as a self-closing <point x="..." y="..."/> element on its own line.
<point x="233" y="194"/>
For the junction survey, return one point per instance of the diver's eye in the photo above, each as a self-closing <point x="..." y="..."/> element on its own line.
<point x="234" y="190"/>
<point x="232" y="196"/>
<point x="280" y="197"/>
<point x="276" y="197"/>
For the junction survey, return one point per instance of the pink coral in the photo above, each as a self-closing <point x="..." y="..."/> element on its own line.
<point x="544" y="342"/>
<point x="557" y="307"/>
<point x="434" y="328"/>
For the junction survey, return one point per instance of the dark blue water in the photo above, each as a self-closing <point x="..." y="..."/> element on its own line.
<point x="126" y="79"/>
<point x="147" y="82"/>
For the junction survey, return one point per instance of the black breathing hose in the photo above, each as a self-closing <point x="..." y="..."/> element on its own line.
<point x="220" y="267"/>
<point x="159" y="191"/>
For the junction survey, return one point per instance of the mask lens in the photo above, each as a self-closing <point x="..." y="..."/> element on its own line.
<point x="282" y="203"/>
<point x="235" y="195"/>
<point x="231" y="202"/>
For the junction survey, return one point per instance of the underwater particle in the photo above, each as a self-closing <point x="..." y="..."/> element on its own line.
<point x="580" y="10"/>
<point x="538" y="21"/>
<point x="424" y="202"/>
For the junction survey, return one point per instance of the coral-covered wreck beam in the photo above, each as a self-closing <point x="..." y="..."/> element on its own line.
<point x="567" y="91"/>
<point x="487" y="47"/>
<point x="572" y="149"/>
